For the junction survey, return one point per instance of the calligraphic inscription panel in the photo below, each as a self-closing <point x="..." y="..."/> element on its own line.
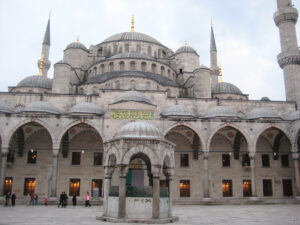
<point x="125" y="114"/>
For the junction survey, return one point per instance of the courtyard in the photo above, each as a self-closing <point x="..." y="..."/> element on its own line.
<point x="188" y="214"/>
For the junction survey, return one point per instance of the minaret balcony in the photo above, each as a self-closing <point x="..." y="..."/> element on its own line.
<point x="289" y="58"/>
<point x="284" y="15"/>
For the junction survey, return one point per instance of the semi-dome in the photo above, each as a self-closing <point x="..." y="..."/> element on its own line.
<point x="36" y="81"/>
<point x="133" y="55"/>
<point x="76" y="45"/>
<point x="220" y="111"/>
<point x="139" y="130"/>
<point x="262" y="113"/>
<point x="185" y="49"/>
<point x="87" y="108"/>
<point x="5" y="108"/>
<point x="131" y="36"/>
<point x="134" y="96"/>
<point x="292" y="116"/>
<point x="265" y="99"/>
<point x="225" y="88"/>
<point x="40" y="107"/>
<point x="177" y="111"/>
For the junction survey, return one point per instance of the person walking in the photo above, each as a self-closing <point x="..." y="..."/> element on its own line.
<point x="32" y="199"/>
<point x="28" y="199"/>
<point x="87" y="200"/>
<point x="65" y="200"/>
<point x="7" y="198"/>
<point x="13" y="199"/>
<point x="36" y="199"/>
<point x="46" y="201"/>
<point x="74" y="200"/>
<point x="61" y="198"/>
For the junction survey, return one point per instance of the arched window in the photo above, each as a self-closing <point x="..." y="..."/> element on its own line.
<point x="148" y="85"/>
<point x="153" y="68"/>
<point x="95" y="71"/>
<point x="168" y="92"/>
<point x="100" y="52"/>
<point x="102" y="68"/>
<point x="117" y="84"/>
<point x="108" y="51"/>
<point x="115" y="49"/>
<point x="180" y="70"/>
<point x="111" y="67"/>
<point x="164" y="54"/>
<point x="126" y="47"/>
<point x="169" y="73"/>
<point x="120" y="49"/>
<point x="132" y="66"/>
<point x="162" y="71"/>
<point x="94" y="90"/>
<point x="159" y="53"/>
<point x="143" y="65"/>
<point x="122" y="66"/>
<point x="132" y="84"/>
<point x="138" y="48"/>
<point x="149" y="51"/>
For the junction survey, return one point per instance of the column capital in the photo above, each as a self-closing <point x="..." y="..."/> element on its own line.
<point x="295" y="155"/>
<point x="123" y="170"/>
<point x="205" y="154"/>
<point x="251" y="155"/>
<point x="55" y="152"/>
<point x="155" y="170"/>
<point x="108" y="171"/>
<point x="4" y="151"/>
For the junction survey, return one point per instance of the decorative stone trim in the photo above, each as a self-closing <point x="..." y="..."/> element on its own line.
<point x="285" y="15"/>
<point x="289" y="58"/>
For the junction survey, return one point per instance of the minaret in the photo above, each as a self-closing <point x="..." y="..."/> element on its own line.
<point x="213" y="59"/>
<point x="44" y="63"/>
<point x="289" y="58"/>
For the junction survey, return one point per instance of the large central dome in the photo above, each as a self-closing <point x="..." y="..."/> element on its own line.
<point x="131" y="36"/>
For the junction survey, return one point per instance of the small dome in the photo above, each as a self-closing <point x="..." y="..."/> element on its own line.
<point x="265" y="99"/>
<point x="220" y="111"/>
<point x="262" y="113"/>
<point x="177" y="110"/>
<point x="292" y="116"/>
<point x="5" y="108"/>
<point x="186" y="49"/>
<point x="139" y="130"/>
<point x="36" y="81"/>
<point x="225" y="88"/>
<point x="62" y="62"/>
<point x="86" y="108"/>
<point x="133" y="55"/>
<point x="131" y="36"/>
<point x="134" y="96"/>
<point x="40" y="107"/>
<point x="77" y="45"/>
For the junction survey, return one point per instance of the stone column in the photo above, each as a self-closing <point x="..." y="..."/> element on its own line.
<point x="156" y="191"/>
<point x="170" y="183"/>
<point x="107" y="184"/>
<point x="4" y="152"/>
<point x="122" y="191"/>
<point x="54" y="174"/>
<point x="297" y="173"/>
<point x="253" y="177"/>
<point x="206" y="179"/>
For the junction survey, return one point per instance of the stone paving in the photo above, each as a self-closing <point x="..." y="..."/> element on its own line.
<point x="225" y="215"/>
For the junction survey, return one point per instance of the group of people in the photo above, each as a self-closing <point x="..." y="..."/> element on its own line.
<point x="32" y="199"/>
<point x="10" y="199"/>
<point x="63" y="200"/>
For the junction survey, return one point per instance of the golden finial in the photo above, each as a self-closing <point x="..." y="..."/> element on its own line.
<point x="185" y="43"/>
<point x="211" y="22"/>
<point x="132" y="23"/>
<point x="77" y="39"/>
<point x="49" y="14"/>
<point x="220" y="80"/>
<point x="41" y="65"/>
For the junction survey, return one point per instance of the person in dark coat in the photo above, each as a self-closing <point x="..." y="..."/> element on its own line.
<point x="65" y="200"/>
<point x="7" y="198"/>
<point x="61" y="198"/>
<point x="74" y="200"/>
<point x="13" y="199"/>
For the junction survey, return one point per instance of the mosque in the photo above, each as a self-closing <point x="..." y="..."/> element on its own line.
<point x="128" y="115"/>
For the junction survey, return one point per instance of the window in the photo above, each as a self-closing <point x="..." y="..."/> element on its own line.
<point x="247" y="192"/>
<point x="10" y="157"/>
<point x="132" y="85"/>
<point x="285" y="160"/>
<point x="31" y="159"/>
<point x="163" y="183"/>
<point x="153" y="68"/>
<point x="143" y="67"/>
<point x="111" y="67"/>
<point x="132" y="66"/>
<point x="149" y="51"/>
<point x="76" y="158"/>
<point x="29" y="186"/>
<point x="122" y="66"/>
<point x="225" y="160"/>
<point x="138" y="48"/>
<point x="184" y="188"/>
<point x="267" y="187"/>
<point x="102" y="68"/>
<point x="98" y="156"/>
<point x="117" y="83"/>
<point x="148" y="85"/>
<point x="74" y="187"/>
<point x="8" y="184"/>
<point x="115" y="49"/>
<point x="100" y="52"/>
<point x="96" y="188"/>
<point x="287" y="187"/>
<point x="265" y="160"/>
<point x="127" y="48"/>
<point x="246" y="160"/>
<point x="162" y="71"/>
<point x="184" y="160"/>
<point x="227" y="188"/>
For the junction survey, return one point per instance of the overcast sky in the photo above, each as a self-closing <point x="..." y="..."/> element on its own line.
<point x="246" y="36"/>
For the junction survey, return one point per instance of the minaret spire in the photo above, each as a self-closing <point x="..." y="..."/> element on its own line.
<point x="44" y="63"/>
<point x="289" y="59"/>
<point x="132" y="23"/>
<point x="213" y="58"/>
